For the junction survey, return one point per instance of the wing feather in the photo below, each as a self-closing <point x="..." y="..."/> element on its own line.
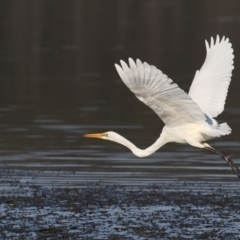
<point x="157" y="91"/>
<point x="210" y="85"/>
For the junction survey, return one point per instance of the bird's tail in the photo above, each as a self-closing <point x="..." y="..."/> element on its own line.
<point x="219" y="130"/>
<point x="225" y="129"/>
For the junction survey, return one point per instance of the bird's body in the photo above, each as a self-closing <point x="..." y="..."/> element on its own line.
<point x="190" y="133"/>
<point x="188" y="118"/>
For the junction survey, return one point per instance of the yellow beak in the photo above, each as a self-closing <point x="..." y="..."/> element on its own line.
<point x="95" y="135"/>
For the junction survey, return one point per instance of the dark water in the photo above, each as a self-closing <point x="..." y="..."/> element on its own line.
<point x="58" y="82"/>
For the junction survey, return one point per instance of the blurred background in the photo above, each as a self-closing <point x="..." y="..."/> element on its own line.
<point x="58" y="82"/>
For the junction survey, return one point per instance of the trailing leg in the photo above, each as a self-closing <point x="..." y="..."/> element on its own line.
<point x="225" y="157"/>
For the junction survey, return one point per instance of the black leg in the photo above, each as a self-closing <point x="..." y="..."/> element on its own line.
<point x="227" y="159"/>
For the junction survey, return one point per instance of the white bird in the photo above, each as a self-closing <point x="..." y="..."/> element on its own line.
<point x="188" y="118"/>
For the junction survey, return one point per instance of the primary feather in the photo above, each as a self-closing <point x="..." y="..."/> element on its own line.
<point x="210" y="84"/>
<point x="156" y="90"/>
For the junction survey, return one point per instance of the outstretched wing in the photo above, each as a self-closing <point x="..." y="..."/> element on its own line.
<point x="210" y="85"/>
<point x="157" y="91"/>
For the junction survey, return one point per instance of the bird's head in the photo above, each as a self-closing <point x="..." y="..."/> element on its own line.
<point x="115" y="137"/>
<point x="112" y="136"/>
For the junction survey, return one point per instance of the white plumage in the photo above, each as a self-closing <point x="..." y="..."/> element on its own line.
<point x="188" y="118"/>
<point x="210" y="84"/>
<point x="157" y="91"/>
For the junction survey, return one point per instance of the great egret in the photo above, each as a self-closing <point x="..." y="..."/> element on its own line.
<point x="188" y="118"/>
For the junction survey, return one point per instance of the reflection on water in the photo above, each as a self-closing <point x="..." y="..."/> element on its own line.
<point x="58" y="82"/>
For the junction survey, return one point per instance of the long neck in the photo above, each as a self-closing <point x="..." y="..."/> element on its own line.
<point x="142" y="152"/>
